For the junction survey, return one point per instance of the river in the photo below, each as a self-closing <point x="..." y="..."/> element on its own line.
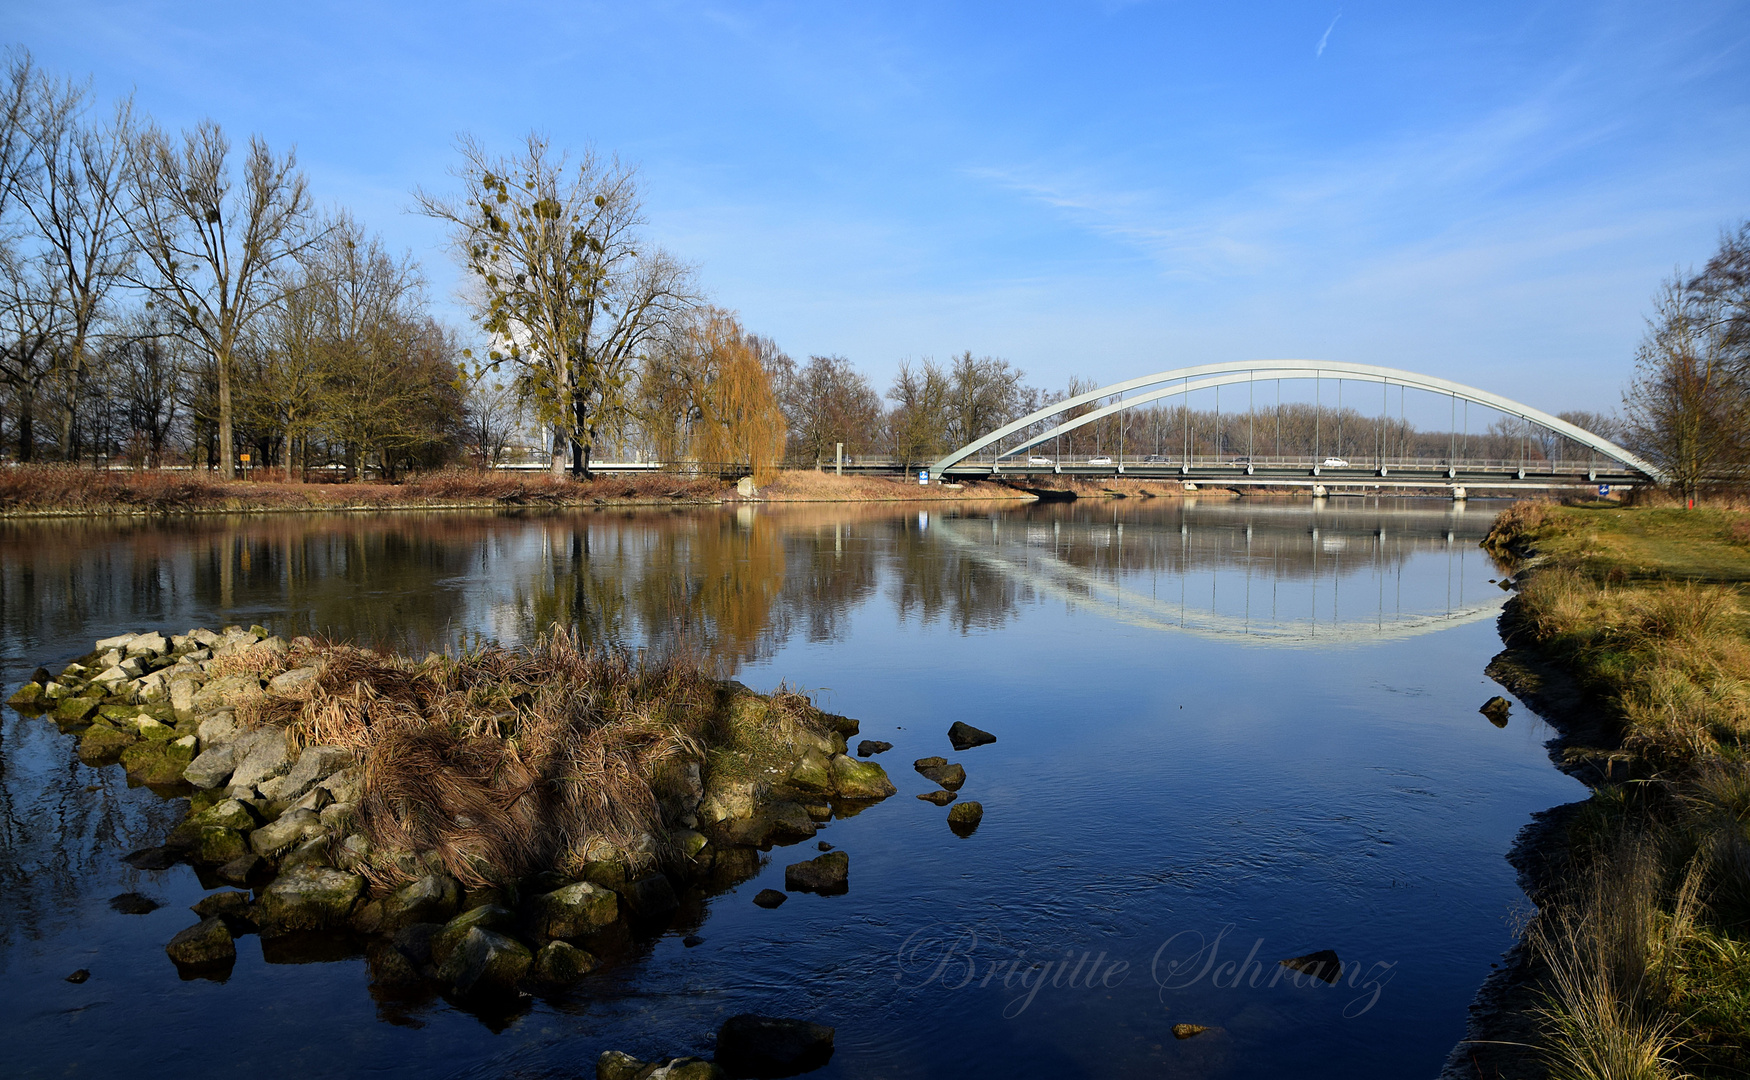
<point x="1229" y="733"/>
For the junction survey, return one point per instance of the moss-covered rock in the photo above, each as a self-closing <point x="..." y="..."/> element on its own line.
<point x="484" y="961"/>
<point x="28" y="696"/>
<point x="853" y="779"/>
<point x="215" y="845"/>
<point x="574" y="910"/>
<point x="965" y="817"/>
<point x="153" y="761"/>
<point x="229" y="814"/>
<point x="432" y="899"/>
<point x="490" y="917"/>
<point x="206" y="943"/>
<point x="308" y="898"/>
<point x="102" y="744"/>
<point x="812" y="773"/>
<point x="560" y="963"/>
<point x="76" y="709"/>
<point x="828" y="875"/>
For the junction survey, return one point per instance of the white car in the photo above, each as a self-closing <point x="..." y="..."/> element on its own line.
<point x="1336" y="463"/>
<point x="1099" y="461"/>
<point x="1038" y="461"/>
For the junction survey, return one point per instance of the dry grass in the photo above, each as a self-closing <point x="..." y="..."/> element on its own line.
<point x="1615" y="950"/>
<point x="506" y="762"/>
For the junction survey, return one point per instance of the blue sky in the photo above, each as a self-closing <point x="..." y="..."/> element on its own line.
<point x="1489" y="192"/>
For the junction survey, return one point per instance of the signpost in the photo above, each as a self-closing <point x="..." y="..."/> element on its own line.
<point x="924" y="477"/>
<point x="1603" y="490"/>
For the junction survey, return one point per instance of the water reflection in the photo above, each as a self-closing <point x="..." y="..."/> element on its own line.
<point x="731" y="585"/>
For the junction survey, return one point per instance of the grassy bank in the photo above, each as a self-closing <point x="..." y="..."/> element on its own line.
<point x="1640" y="955"/>
<point x="55" y="491"/>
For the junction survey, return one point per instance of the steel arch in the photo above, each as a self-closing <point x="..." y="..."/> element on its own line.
<point x="1204" y="376"/>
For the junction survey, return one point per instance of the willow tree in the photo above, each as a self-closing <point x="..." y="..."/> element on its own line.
<point x="563" y="283"/>
<point x="708" y="397"/>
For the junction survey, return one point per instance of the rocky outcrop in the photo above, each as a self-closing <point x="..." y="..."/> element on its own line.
<point x="308" y="898"/>
<point x="206" y="943"/>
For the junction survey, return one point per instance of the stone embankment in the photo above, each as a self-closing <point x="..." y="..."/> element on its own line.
<point x="297" y="760"/>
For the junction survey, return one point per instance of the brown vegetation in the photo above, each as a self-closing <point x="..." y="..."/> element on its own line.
<point x="508" y="762"/>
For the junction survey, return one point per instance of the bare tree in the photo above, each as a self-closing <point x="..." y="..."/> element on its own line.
<point x="211" y="246"/>
<point x="828" y="402"/>
<point x="70" y="189"/>
<point x="496" y="412"/>
<point x="983" y="394"/>
<point x="1685" y="408"/>
<point x="564" y="282"/>
<point x="917" y="428"/>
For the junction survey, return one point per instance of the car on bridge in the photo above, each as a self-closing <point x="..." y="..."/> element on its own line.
<point x="1038" y="461"/>
<point x="1099" y="461"/>
<point x="1336" y="463"/>
<point x="1157" y="459"/>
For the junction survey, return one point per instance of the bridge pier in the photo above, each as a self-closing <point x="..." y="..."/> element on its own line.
<point x="1459" y="494"/>
<point x="1319" y="491"/>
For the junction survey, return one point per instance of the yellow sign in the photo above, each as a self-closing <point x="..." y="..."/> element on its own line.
<point x="245" y="457"/>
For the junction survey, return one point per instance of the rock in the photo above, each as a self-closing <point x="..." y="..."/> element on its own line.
<point x="964" y="818"/>
<point x="293" y="827"/>
<point x="79" y="976"/>
<point x="560" y="963"/>
<point x="150" y="728"/>
<point x="112" y="677"/>
<point x="73" y="710"/>
<point x="431" y="899"/>
<point x="207" y="942"/>
<point x="240" y="870"/>
<point x="182" y="691"/>
<point x="225" y="691"/>
<point x="949" y="776"/>
<point x="217" y="845"/>
<point x="155" y="762"/>
<point x="484" y="961"/>
<point x="219" y="728"/>
<point x="308" y="898"/>
<point x="414" y="941"/>
<point x="692" y="941"/>
<point x="686" y="1068"/>
<point x="313" y="800"/>
<point x="213" y="767"/>
<point x="775" y="822"/>
<point x="28" y="696"/>
<point x="133" y="903"/>
<point x="295" y="680"/>
<point x="614" y="1065"/>
<point x="750" y="1045"/>
<point x="338" y="818"/>
<point x="650" y="898"/>
<point x="152" y="644"/>
<point x="575" y="910"/>
<point x="939" y="797"/>
<point x="965" y="736"/>
<point x="316" y="763"/>
<point x="828" y="875"/>
<point x="1320" y="965"/>
<point x="1496" y="709"/>
<point x="823" y="846"/>
<point x="1186" y="1031"/>
<point x="311" y="852"/>
<point x="853" y="779"/>
<point x="261" y="754"/>
<point x="232" y="906"/>
<point x="353" y="852"/>
<point x="104" y="743"/>
<point x="691" y="844"/>
<point x="869" y="747"/>
<point x="120" y="641"/>
<point x="769" y="898"/>
<point x="229" y="814"/>
<point x="204" y="637"/>
<point x="490" y="917"/>
<point x="812" y="773"/>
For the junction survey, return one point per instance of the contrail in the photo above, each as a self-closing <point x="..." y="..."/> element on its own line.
<point x="1326" y="36"/>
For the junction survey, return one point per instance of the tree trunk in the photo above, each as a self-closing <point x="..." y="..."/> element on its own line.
<point x="227" y="455"/>
<point x="26" y="428"/>
<point x="559" y="442"/>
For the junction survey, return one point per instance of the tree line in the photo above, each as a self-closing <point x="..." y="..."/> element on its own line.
<point x="176" y="298"/>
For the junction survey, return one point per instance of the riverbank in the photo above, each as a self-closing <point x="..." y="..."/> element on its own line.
<point x="52" y="491"/>
<point x="491" y="823"/>
<point x="1629" y="634"/>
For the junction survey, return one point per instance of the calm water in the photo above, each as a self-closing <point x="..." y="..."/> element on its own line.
<point x="1228" y="732"/>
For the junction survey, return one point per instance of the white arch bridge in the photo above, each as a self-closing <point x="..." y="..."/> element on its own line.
<point x="1005" y="451"/>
